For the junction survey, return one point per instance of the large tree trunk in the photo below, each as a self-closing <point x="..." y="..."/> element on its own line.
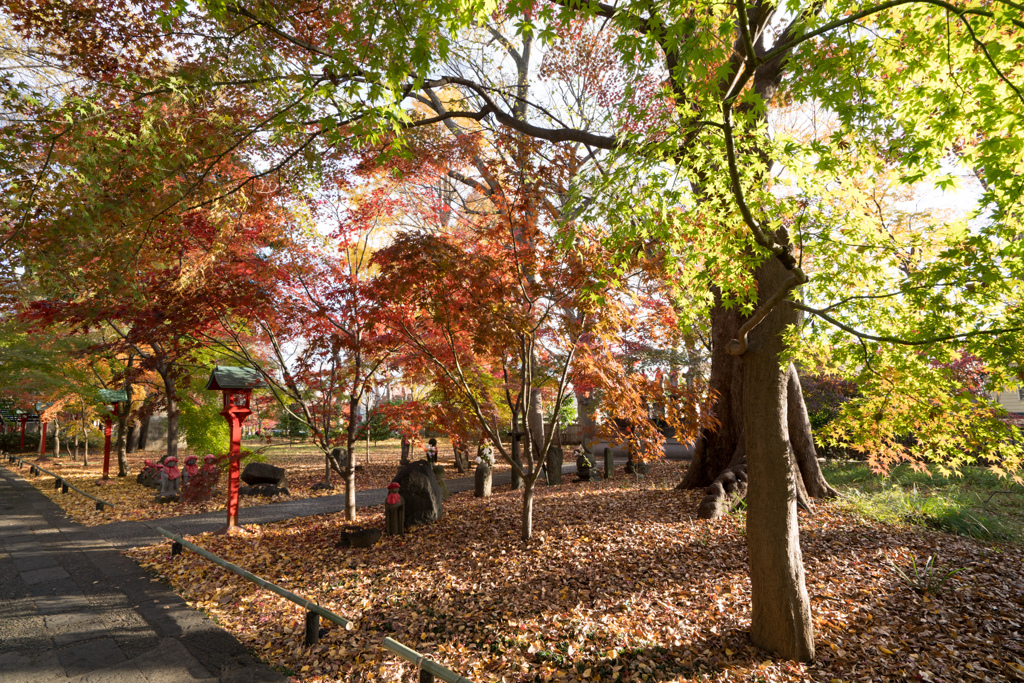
<point x="172" y="414"/>
<point x="526" y="526"/>
<point x="719" y="463"/>
<point x="781" y="615"/>
<point x="518" y="432"/>
<point x="350" y="464"/>
<point x="85" y="440"/>
<point x="133" y="437"/>
<point x="122" y="425"/>
<point x="144" y="432"/>
<point x="716" y="447"/>
<point x="122" y="443"/>
<point x="802" y="441"/>
<point x="535" y="423"/>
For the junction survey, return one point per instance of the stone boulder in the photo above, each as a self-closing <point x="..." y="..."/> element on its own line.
<point x="420" y="492"/>
<point x="339" y="456"/>
<point x="358" y="537"/>
<point x="263" y="490"/>
<point x="440" y="476"/>
<point x="256" y="473"/>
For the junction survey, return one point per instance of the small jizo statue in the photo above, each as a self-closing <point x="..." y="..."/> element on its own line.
<point x="170" y="480"/>
<point x="584" y="464"/>
<point x="482" y="476"/>
<point x="394" y="510"/>
<point x="208" y="463"/>
<point x="191" y="469"/>
<point x="432" y="451"/>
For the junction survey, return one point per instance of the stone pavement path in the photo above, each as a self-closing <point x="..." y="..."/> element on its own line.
<point x="72" y="608"/>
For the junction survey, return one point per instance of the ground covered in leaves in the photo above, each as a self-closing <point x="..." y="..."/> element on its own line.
<point x="133" y="502"/>
<point x="619" y="583"/>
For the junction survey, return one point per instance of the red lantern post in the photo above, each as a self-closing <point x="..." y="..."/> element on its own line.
<point x="40" y="409"/>
<point x="237" y="385"/>
<point x="106" y="446"/>
<point x="114" y="398"/>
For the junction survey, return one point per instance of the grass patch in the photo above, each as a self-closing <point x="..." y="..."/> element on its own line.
<point x="978" y="503"/>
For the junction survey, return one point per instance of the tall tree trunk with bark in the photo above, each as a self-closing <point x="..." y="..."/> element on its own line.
<point x="716" y="447"/>
<point x="535" y="422"/>
<point x="144" y="432"/>
<point x="781" y="614"/>
<point x="526" y="521"/>
<point x="349" y="470"/>
<point x="133" y="436"/>
<point x="121" y="444"/>
<point x="171" y="405"/>
<point x="85" y="438"/>
<point x="516" y="481"/>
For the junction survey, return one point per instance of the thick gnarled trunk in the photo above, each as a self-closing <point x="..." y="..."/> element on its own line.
<point x="716" y="448"/>
<point x="720" y="460"/>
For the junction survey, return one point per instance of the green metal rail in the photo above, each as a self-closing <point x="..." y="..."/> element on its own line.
<point x="424" y="664"/>
<point x="314" y="611"/>
<point x="263" y="583"/>
<point x="60" y="483"/>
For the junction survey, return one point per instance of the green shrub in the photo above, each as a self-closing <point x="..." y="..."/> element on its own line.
<point x="204" y="428"/>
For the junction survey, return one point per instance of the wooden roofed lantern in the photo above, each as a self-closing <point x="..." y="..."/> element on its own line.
<point x="236" y="385"/>
<point x="113" y="398"/>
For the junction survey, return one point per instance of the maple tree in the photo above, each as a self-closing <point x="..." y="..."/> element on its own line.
<point x="324" y="307"/>
<point x="482" y="293"/>
<point x="723" y="154"/>
<point x="63" y="371"/>
<point x="156" y="320"/>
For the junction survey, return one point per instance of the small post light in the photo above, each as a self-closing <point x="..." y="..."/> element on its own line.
<point x="237" y="385"/>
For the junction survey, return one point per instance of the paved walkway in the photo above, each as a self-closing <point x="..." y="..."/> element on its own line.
<point x="73" y="608"/>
